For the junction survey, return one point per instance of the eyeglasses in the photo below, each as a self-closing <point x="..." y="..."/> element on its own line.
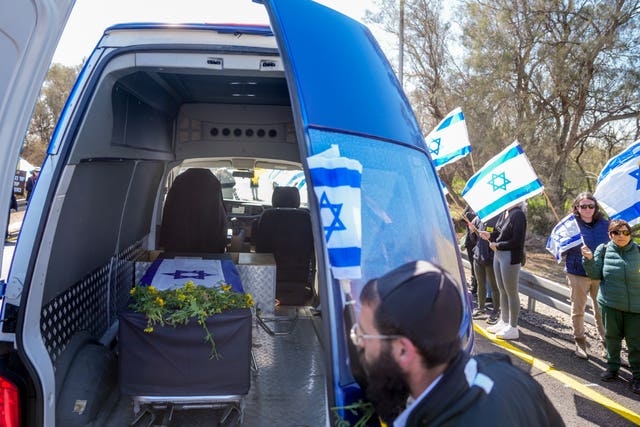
<point x="587" y="206"/>
<point x="619" y="232"/>
<point x="357" y="336"/>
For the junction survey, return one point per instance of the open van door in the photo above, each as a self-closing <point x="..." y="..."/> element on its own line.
<point x="344" y="93"/>
<point x="29" y="34"/>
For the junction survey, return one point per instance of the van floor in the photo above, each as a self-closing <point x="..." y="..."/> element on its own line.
<point x="287" y="384"/>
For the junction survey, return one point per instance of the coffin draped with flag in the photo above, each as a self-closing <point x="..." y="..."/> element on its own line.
<point x="175" y="361"/>
<point x="618" y="186"/>
<point x="504" y="181"/>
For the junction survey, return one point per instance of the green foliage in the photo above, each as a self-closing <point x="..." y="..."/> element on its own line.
<point x="540" y="218"/>
<point x="178" y="306"/>
<point x="53" y="95"/>
<point x="363" y="410"/>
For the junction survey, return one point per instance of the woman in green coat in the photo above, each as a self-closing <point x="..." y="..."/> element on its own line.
<point x="617" y="265"/>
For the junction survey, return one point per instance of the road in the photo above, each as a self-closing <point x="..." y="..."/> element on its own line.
<point x="573" y="385"/>
<point x="545" y="349"/>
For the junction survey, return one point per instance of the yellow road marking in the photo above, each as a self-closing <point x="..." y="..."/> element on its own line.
<point x="562" y="377"/>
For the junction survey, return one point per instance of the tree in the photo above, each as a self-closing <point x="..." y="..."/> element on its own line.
<point x="429" y="67"/>
<point x="560" y="77"/>
<point x="55" y="90"/>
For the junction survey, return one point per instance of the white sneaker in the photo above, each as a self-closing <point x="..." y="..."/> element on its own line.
<point x="497" y="327"/>
<point x="509" y="333"/>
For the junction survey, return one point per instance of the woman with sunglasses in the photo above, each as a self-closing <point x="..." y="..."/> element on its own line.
<point x="617" y="264"/>
<point x="593" y="231"/>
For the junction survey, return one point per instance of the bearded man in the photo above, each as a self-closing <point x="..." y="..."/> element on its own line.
<point x="408" y="337"/>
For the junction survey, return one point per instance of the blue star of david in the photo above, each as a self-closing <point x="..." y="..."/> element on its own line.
<point x="434" y="146"/>
<point x="193" y="274"/>
<point x="636" y="175"/>
<point x="495" y="178"/>
<point x="336" y="224"/>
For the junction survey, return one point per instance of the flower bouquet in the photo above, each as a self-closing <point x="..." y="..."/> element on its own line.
<point x="161" y="347"/>
<point x="178" y="306"/>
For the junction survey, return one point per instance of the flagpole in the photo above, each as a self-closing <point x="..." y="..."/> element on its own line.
<point x="551" y="206"/>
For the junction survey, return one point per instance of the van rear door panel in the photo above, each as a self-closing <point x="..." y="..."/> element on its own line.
<point x="345" y="93"/>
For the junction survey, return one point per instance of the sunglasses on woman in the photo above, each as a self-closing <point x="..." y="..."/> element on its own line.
<point x="587" y="206"/>
<point x="621" y="232"/>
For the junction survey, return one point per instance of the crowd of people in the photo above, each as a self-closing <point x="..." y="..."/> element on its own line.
<point x="605" y="265"/>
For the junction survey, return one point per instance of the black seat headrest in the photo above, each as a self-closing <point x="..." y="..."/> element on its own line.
<point x="285" y="197"/>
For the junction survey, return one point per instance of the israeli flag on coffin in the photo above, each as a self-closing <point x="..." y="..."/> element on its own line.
<point x="336" y="183"/>
<point x="504" y="181"/>
<point x="618" y="186"/>
<point x="449" y="141"/>
<point x="564" y="236"/>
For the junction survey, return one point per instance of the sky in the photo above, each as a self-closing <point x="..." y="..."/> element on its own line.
<point x="89" y="18"/>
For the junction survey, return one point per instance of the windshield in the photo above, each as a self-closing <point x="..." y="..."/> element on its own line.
<point x="258" y="184"/>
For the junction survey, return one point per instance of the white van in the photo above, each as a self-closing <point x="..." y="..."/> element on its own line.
<point x="152" y="102"/>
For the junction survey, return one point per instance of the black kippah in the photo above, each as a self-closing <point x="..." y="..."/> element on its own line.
<point x="424" y="301"/>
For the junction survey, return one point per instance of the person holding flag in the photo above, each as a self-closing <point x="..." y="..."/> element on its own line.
<point x="507" y="242"/>
<point x="501" y="187"/>
<point x="592" y="230"/>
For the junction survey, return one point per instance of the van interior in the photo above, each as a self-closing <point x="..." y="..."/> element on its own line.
<point x="152" y="117"/>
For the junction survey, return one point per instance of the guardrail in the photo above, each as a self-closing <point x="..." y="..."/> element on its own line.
<point x="552" y="294"/>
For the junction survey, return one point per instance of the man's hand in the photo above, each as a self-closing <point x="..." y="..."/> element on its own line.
<point x="586" y="252"/>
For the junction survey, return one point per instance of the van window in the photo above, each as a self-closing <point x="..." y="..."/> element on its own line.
<point x="400" y="203"/>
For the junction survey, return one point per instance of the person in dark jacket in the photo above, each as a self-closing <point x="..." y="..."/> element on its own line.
<point x="470" y="240"/>
<point x="31" y="182"/>
<point x="483" y="266"/>
<point x="617" y="265"/>
<point x="417" y="374"/>
<point x="507" y="242"/>
<point x="593" y="231"/>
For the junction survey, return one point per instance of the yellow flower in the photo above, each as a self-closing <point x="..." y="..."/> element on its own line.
<point x="226" y="288"/>
<point x="132" y="291"/>
<point x="153" y="289"/>
<point x="159" y="301"/>
<point x="181" y="297"/>
<point x="148" y="329"/>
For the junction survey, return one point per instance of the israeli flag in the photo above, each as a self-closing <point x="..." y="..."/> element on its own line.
<point x="618" y="186"/>
<point x="449" y="141"/>
<point x="336" y="183"/>
<point x="504" y="181"/>
<point x="564" y="236"/>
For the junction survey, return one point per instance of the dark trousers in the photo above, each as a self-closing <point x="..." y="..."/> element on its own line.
<point x="618" y="325"/>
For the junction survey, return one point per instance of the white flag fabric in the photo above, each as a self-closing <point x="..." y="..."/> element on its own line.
<point x="504" y="181"/>
<point x="449" y="141"/>
<point x="618" y="186"/>
<point x="336" y="183"/>
<point x="564" y="236"/>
